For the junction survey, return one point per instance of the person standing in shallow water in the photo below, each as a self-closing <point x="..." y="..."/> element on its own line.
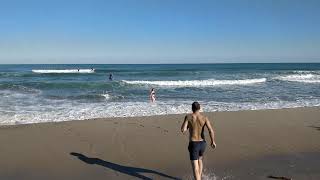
<point x="152" y="95"/>
<point x="196" y="122"/>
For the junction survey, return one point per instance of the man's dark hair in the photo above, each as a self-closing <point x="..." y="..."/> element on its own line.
<point x="195" y="106"/>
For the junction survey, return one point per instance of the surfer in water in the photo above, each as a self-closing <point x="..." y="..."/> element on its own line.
<point x="152" y="95"/>
<point x="110" y="77"/>
<point x="196" y="122"/>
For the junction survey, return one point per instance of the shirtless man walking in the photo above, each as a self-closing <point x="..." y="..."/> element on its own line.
<point x="196" y="122"/>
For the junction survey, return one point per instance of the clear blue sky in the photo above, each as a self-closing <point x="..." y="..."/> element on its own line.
<point x="159" y="31"/>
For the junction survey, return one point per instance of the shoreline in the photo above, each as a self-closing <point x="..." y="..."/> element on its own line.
<point x="179" y="114"/>
<point x="250" y="145"/>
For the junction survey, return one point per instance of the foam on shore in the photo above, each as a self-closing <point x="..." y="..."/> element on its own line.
<point x="60" y="110"/>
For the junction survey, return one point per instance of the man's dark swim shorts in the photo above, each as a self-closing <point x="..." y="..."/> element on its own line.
<point x="196" y="149"/>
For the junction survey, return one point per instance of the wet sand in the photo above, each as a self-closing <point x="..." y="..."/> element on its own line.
<point x="250" y="145"/>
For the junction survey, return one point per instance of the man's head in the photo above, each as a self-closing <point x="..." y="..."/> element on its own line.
<point x="195" y="107"/>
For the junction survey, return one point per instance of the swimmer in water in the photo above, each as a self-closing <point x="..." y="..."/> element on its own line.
<point x="152" y="95"/>
<point x="110" y="77"/>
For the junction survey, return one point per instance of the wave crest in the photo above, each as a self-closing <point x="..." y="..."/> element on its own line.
<point x="304" y="78"/>
<point x="199" y="83"/>
<point x="63" y="71"/>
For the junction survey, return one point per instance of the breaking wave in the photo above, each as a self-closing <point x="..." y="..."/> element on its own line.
<point x="301" y="77"/>
<point x="64" y="71"/>
<point x="199" y="83"/>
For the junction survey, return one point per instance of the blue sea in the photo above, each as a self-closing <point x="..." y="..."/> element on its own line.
<point x="49" y="93"/>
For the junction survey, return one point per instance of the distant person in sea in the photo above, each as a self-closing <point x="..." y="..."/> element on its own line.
<point x="110" y="77"/>
<point x="152" y="95"/>
<point x="195" y="123"/>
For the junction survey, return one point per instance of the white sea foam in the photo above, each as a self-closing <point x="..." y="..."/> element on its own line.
<point x="307" y="72"/>
<point x="301" y="77"/>
<point x="199" y="83"/>
<point x="64" y="71"/>
<point x="209" y="175"/>
<point x="61" y="110"/>
<point x="106" y="95"/>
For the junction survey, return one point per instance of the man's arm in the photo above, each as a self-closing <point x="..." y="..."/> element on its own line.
<point x="211" y="132"/>
<point x="184" y="126"/>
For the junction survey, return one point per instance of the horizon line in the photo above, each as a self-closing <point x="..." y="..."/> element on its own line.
<point x="160" y="63"/>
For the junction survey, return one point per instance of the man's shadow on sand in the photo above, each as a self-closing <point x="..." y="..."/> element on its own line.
<point x="132" y="171"/>
<point x="315" y="127"/>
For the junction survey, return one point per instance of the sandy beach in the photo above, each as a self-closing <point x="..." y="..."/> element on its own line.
<point x="250" y="145"/>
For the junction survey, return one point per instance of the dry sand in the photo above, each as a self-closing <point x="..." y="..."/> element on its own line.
<point x="250" y="145"/>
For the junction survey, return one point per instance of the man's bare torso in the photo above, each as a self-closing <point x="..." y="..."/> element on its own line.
<point x="196" y="123"/>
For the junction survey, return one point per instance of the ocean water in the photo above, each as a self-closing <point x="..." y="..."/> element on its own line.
<point x="47" y="93"/>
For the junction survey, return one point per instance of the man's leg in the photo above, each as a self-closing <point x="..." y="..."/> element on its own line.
<point x="200" y="166"/>
<point x="195" y="169"/>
